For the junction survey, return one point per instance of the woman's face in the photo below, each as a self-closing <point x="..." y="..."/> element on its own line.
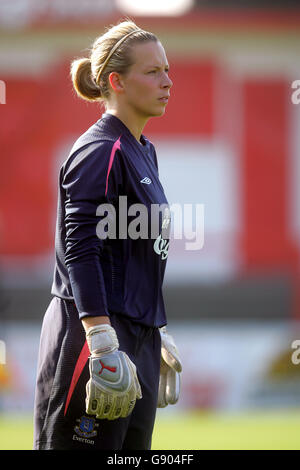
<point x="147" y="84"/>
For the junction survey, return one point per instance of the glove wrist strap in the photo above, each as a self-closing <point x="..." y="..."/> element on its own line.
<point x="102" y="339"/>
<point x="163" y="330"/>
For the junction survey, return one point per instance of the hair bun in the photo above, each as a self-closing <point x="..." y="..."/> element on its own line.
<point x="83" y="82"/>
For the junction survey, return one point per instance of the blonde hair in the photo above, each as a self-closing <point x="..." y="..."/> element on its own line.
<point x="110" y="52"/>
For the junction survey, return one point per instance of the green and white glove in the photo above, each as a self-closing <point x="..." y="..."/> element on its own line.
<point x="113" y="387"/>
<point x="170" y="369"/>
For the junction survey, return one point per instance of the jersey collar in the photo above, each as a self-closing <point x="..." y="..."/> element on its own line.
<point x="122" y="128"/>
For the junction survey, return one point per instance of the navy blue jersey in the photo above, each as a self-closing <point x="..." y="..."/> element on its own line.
<point x="120" y="273"/>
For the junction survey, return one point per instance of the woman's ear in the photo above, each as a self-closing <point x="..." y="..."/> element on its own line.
<point x="116" y="82"/>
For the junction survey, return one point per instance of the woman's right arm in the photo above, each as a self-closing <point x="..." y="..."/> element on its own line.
<point x="88" y="321"/>
<point x="85" y="184"/>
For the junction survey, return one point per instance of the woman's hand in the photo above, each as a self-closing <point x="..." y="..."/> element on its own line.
<point x="113" y="387"/>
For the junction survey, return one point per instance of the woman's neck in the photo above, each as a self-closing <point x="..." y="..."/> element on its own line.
<point x="134" y="125"/>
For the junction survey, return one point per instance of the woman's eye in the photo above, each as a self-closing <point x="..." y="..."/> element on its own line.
<point x="154" y="71"/>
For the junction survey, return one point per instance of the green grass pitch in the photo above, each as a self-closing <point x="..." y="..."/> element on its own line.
<point x="193" y="431"/>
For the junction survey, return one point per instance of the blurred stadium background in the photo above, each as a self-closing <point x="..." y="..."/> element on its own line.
<point x="231" y="137"/>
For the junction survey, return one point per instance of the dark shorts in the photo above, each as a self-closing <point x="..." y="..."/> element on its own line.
<point x="60" y="420"/>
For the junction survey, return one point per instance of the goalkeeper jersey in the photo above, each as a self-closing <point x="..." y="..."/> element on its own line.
<point x="111" y="241"/>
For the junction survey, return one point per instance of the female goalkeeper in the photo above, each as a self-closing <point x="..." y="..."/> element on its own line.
<point x="106" y="361"/>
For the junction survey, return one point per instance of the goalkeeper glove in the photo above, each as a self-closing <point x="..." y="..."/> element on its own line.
<point x="113" y="387"/>
<point x="170" y="368"/>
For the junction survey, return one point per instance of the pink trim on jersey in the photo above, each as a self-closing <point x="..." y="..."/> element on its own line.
<point x="116" y="146"/>
<point x="81" y="362"/>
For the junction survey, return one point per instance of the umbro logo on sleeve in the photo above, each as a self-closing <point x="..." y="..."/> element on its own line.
<point x="146" y="180"/>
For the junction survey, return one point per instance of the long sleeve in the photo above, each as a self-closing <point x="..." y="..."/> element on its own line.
<point x="91" y="178"/>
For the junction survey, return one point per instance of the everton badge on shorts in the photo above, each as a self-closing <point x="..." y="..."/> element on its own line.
<point x="86" y="427"/>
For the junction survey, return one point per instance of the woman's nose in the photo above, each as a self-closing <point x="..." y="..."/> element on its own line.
<point x="170" y="82"/>
<point x="167" y="83"/>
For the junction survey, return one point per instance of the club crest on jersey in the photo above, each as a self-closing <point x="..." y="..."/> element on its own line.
<point x="86" y="427"/>
<point x="161" y="247"/>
